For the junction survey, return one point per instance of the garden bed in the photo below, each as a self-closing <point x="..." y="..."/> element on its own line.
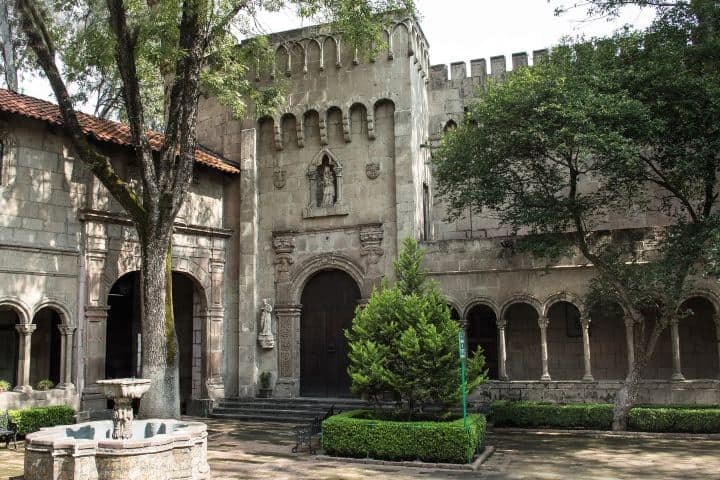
<point x="359" y="434"/>
<point x="598" y="416"/>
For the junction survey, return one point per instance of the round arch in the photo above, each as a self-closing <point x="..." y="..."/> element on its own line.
<point x="62" y="311"/>
<point x="19" y="307"/>
<point x="475" y="301"/>
<point x="330" y="261"/>
<point x="521" y="298"/>
<point x="712" y="297"/>
<point x="567" y="297"/>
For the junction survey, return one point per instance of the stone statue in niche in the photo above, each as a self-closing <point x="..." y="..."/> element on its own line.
<point x="327" y="184"/>
<point x="265" y="337"/>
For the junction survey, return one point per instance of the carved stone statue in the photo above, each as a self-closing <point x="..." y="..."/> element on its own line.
<point x="327" y="186"/>
<point x="265" y="337"/>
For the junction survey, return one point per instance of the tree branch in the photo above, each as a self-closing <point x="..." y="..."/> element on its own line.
<point x="39" y="40"/>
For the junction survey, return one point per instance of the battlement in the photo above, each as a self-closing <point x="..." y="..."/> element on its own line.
<point x="439" y="77"/>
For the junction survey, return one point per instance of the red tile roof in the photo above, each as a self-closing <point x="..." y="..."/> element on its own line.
<point x="100" y="129"/>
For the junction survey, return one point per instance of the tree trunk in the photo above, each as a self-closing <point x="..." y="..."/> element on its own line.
<point x="625" y="398"/>
<point x="160" y="347"/>
<point x="8" y="53"/>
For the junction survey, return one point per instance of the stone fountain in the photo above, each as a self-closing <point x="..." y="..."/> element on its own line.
<point x="123" y="448"/>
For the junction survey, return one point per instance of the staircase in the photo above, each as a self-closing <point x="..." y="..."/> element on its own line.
<point x="294" y="410"/>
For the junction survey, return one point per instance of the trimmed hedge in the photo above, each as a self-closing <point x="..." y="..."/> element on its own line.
<point x="350" y="435"/>
<point x="29" y="420"/>
<point x="591" y="416"/>
<point x="598" y="416"/>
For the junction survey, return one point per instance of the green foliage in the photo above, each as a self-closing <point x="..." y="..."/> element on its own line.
<point x="45" y="384"/>
<point x="675" y="419"/>
<point x="405" y="342"/>
<point x="357" y="434"/>
<point x="598" y="416"/>
<point x="28" y="420"/>
<point x="265" y="379"/>
<point x="5" y="386"/>
<point x="593" y="416"/>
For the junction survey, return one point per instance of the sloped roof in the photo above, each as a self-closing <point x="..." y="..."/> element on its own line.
<point x="101" y="129"/>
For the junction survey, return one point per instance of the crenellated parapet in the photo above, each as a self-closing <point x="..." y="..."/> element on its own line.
<point x="319" y="50"/>
<point x="479" y="72"/>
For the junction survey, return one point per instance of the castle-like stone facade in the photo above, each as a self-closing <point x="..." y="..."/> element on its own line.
<point x="325" y="192"/>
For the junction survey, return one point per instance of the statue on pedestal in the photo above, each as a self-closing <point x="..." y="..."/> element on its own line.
<point x="265" y="337"/>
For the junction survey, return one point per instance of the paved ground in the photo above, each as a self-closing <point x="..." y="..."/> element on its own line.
<point x="251" y="450"/>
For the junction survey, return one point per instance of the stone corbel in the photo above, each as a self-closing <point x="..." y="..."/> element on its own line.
<point x="322" y="124"/>
<point x="300" y="129"/>
<point x="371" y="124"/>
<point x="277" y="134"/>
<point x="371" y="238"/>
<point x="346" y="126"/>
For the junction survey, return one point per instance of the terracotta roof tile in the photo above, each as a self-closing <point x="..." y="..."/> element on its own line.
<point x="100" y="129"/>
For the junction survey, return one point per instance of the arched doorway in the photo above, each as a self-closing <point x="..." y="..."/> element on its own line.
<point x="45" y="347"/>
<point x="608" y="342"/>
<point x="124" y="334"/>
<point x="482" y="332"/>
<point x="565" y="342"/>
<point x="9" y="341"/>
<point x="524" y="360"/>
<point x="698" y="334"/>
<point x="328" y="305"/>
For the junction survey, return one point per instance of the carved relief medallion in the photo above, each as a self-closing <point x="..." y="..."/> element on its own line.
<point x="279" y="178"/>
<point x="372" y="170"/>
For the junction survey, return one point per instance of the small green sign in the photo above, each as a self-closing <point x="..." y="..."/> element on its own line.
<point x="461" y="349"/>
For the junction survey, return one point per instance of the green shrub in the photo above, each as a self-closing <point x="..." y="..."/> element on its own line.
<point x="405" y="342"/>
<point x="5" y="386"/>
<point x="592" y="416"/>
<point x="28" y="420"/>
<point x="674" y="419"/>
<point x="349" y="434"/>
<point x="598" y="416"/>
<point x="45" y="384"/>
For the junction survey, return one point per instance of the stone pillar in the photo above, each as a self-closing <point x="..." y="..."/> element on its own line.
<point x="543" y="323"/>
<point x="675" y="341"/>
<point x="288" y="317"/>
<point x="23" y="375"/>
<point x="66" y="343"/>
<point x="502" y="350"/>
<point x="630" y="339"/>
<point x="585" y="320"/>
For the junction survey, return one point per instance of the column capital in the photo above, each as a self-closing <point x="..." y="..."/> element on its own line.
<point x="629" y="321"/>
<point x="543" y="322"/>
<point x="585" y="320"/>
<point x="674" y="321"/>
<point x="288" y="310"/>
<point x="66" y="329"/>
<point x="25" y="328"/>
<point x="501" y="323"/>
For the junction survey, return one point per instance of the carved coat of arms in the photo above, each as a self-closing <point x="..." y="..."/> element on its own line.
<point x="279" y="178"/>
<point x="372" y="170"/>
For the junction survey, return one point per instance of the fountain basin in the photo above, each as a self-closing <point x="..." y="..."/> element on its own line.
<point x="131" y="388"/>
<point x="158" y="449"/>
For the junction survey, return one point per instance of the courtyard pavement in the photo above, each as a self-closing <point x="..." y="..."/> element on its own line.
<point x="259" y="450"/>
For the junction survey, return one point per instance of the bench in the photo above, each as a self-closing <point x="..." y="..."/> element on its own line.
<point x="304" y="433"/>
<point x="7" y="430"/>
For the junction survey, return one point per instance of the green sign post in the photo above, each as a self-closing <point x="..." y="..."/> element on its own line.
<point x="461" y="349"/>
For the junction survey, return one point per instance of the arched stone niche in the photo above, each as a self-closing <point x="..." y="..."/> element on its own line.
<point x="325" y="187"/>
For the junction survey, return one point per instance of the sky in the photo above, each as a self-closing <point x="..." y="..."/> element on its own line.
<point x="461" y="30"/>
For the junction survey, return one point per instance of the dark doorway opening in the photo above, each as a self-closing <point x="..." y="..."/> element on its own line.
<point x="45" y="347"/>
<point x="482" y="332"/>
<point x="9" y="340"/>
<point x="328" y="302"/>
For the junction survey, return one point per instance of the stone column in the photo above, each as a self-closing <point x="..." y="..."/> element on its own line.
<point x="502" y="350"/>
<point x="630" y="339"/>
<point x="585" y="320"/>
<point x="23" y="375"/>
<point x="543" y="323"/>
<point x="675" y="341"/>
<point x="288" y="317"/>
<point x="66" y="343"/>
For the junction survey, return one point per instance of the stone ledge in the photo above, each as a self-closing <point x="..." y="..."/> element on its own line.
<point x="475" y="465"/>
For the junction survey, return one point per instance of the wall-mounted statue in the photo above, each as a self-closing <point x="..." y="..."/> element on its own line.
<point x="325" y="181"/>
<point x="326" y="185"/>
<point x="265" y="335"/>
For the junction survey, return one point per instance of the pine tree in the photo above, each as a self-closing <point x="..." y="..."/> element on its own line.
<point x="405" y="342"/>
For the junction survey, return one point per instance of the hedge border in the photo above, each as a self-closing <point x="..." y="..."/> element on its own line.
<point x="346" y="435"/>
<point x="598" y="416"/>
<point x="32" y="419"/>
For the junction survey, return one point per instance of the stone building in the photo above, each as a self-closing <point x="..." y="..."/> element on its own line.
<point x="307" y="209"/>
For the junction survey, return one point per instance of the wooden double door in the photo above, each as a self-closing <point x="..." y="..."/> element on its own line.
<point x="328" y="306"/>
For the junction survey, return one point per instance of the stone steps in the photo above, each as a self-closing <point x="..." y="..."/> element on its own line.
<point x="291" y="410"/>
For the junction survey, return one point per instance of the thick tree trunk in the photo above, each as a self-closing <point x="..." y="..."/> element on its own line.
<point x="625" y="399"/>
<point x="8" y="53"/>
<point x="159" y="349"/>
